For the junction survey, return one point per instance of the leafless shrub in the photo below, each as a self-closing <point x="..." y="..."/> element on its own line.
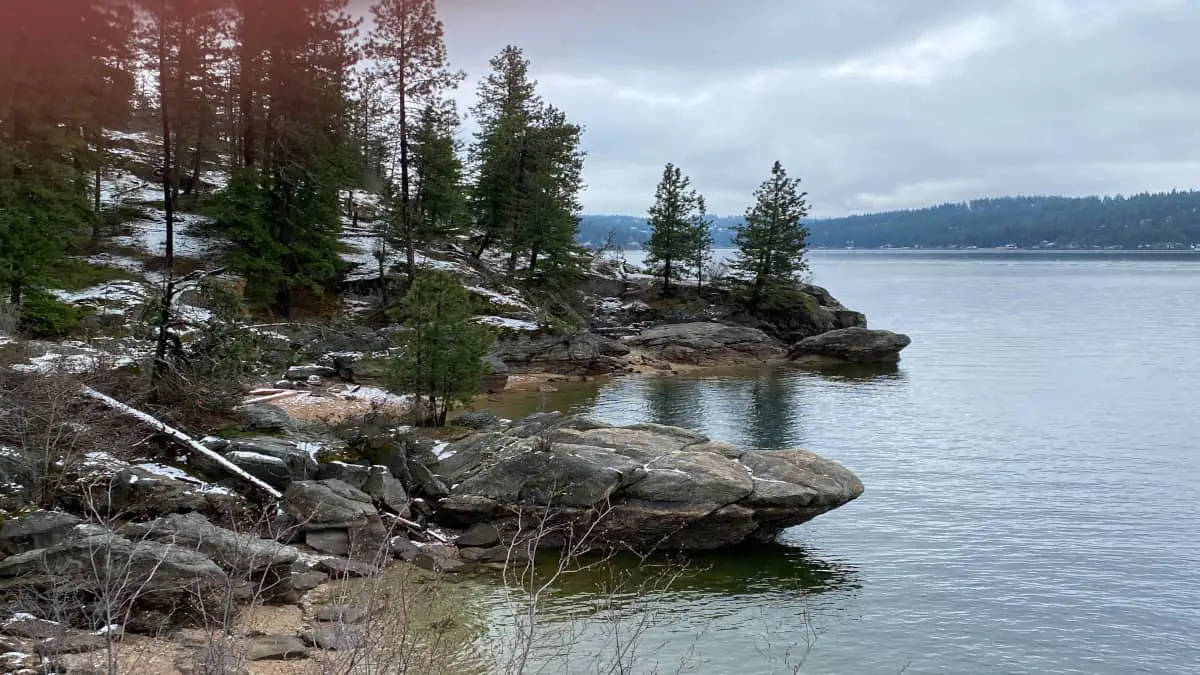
<point x="50" y="430"/>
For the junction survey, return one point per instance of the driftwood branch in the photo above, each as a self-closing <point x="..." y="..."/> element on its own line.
<point x="179" y="437"/>
<point x="417" y="527"/>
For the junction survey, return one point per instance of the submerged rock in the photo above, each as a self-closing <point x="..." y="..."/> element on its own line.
<point x="644" y="486"/>
<point x="850" y="345"/>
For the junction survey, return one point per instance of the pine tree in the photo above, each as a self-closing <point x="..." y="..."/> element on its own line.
<point x="551" y="196"/>
<point x="701" y="241"/>
<point x="408" y="44"/>
<point x="47" y="94"/>
<point x="506" y="107"/>
<point x="438" y="206"/>
<point x="528" y="167"/>
<point x="443" y="347"/>
<point x="676" y="220"/>
<point x="294" y="69"/>
<point x="772" y="241"/>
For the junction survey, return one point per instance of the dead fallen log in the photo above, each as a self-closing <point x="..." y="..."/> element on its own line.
<point x="179" y="437"/>
<point x="419" y="528"/>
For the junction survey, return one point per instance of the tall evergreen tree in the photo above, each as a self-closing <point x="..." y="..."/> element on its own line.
<point x="528" y="167"/>
<point x="701" y="241"/>
<point x="772" y="241"/>
<point x="506" y="107"/>
<point x="408" y="44"/>
<point x="676" y="219"/>
<point x="47" y="96"/>
<point x="282" y="211"/>
<point x="438" y="201"/>
<point x="552" y="193"/>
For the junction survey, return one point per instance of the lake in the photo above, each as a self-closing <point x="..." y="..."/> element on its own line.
<point x="1032" y="474"/>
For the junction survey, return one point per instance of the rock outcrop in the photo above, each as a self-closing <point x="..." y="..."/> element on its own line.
<point x="707" y="344"/>
<point x="850" y="345"/>
<point x="804" y="311"/>
<point x="646" y="486"/>
<point x="581" y="353"/>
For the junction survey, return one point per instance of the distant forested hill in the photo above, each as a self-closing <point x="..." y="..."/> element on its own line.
<point x="1160" y="220"/>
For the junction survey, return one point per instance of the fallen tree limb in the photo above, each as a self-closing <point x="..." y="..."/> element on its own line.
<point x="179" y="437"/>
<point x="271" y="397"/>
<point x="417" y="527"/>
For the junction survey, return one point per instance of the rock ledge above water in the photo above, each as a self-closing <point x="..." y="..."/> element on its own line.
<point x="653" y="486"/>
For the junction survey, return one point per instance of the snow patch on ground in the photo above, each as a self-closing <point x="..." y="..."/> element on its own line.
<point x="133" y="137"/>
<point x="182" y="476"/>
<point x="374" y="395"/>
<point x="509" y="299"/>
<point x="113" y="297"/>
<point x="150" y="235"/>
<point x="122" y="186"/>
<point x="114" y="261"/>
<point x="439" y="450"/>
<point x="217" y="179"/>
<point x="506" y="323"/>
<point x="70" y="363"/>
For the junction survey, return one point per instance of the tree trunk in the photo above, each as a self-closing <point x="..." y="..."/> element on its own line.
<point x="14" y="292"/>
<point x="246" y="102"/>
<point x="533" y="257"/>
<point x="483" y="245"/>
<point x="96" y="185"/>
<point x="516" y="223"/>
<point x="406" y="224"/>
<point x="164" y="318"/>
<point x="666" y="277"/>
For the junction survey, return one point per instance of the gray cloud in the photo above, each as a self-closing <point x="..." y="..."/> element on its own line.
<point x="877" y="104"/>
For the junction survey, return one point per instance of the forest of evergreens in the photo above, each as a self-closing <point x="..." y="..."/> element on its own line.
<point x="1168" y="220"/>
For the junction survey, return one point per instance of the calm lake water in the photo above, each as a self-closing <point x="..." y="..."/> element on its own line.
<point x="1032" y="474"/>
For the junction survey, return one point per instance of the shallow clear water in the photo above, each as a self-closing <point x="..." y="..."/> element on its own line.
<point x="1032" y="474"/>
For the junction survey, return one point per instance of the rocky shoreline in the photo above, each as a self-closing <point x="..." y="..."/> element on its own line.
<point x="185" y="545"/>
<point x="189" y="540"/>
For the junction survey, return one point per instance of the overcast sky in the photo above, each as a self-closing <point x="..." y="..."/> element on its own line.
<point x="876" y="104"/>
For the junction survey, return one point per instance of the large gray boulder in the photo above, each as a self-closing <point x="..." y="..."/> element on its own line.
<point x="327" y="503"/>
<point x="165" y="583"/>
<point x="646" y="486"/>
<point x="242" y="553"/>
<point x="114" y="488"/>
<point x="263" y="417"/>
<point x="850" y="345"/>
<point x="335" y="518"/>
<point x="39" y="529"/>
<point x="707" y="344"/>
<point x="275" y="461"/>
<point x="581" y="353"/>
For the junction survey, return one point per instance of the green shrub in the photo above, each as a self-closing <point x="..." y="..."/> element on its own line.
<point x="44" y="316"/>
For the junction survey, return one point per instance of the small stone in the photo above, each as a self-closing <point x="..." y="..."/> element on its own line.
<point x="479" y="535"/>
<point x="404" y="549"/>
<point x="342" y="568"/>
<point x="306" y="581"/>
<point x="73" y="643"/>
<point x="276" y="648"/>
<point x="334" y="638"/>
<point x="333" y="541"/>
<point x="340" y="614"/>
<point x="436" y="563"/>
